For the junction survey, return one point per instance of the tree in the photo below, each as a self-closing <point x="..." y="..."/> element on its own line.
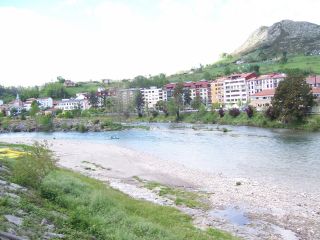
<point x="139" y="102"/>
<point x="187" y="96"/>
<point x="207" y="76"/>
<point x="254" y="68"/>
<point x="178" y="98"/>
<point x="60" y="79"/>
<point x="293" y="98"/>
<point x="221" y="112"/>
<point x="34" y="108"/>
<point x="93" y="99"/>
<point x="196" y="102"/>
<point x="227" y="70"/>
<point x="249" y="111"/>
<point x="283" y="59"/>
<point x="55" y="90"/>
<point x="162" y="106"/>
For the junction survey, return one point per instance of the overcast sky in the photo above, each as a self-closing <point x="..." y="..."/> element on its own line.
<point x="95" y="39"/>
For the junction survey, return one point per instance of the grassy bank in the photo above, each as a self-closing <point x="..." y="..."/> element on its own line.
<point x="82" y="208"/>
<point x="311" y="123"/>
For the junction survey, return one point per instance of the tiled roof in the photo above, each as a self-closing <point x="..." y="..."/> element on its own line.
<point x="267" y="92"/>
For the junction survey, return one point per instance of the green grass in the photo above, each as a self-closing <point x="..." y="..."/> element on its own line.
<point x="180" y="196"/>
<point x="308" y="63"/>
<point x="84" y="208"/>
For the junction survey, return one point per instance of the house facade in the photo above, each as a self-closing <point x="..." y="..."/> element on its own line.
<point x="217" y="92"/>
<point x="200" y="88"/>
<point x="235" y="89"/>
<point x="72" y="104"/>
<point x="264" y="82"/>
<point x="262" y="100"/>
<point x="151" y="96"/>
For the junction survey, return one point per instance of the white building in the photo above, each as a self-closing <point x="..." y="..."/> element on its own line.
<point x="1" y="102"/>
<point x="151" y="96"/>
<point x="235" y="88"/>
<point x="73" y="104"/>
<point x="264" y="82"/>
<point x="45" y="103"/>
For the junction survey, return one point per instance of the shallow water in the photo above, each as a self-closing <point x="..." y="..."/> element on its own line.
<point x="232" y="215"/>
<point x="282" y="157"/>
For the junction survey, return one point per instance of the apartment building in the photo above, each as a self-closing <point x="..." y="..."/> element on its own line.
<point x="235" y="88"/>
<point x="201" y="88"/>
<point x="217" y="92"/>
<point x="151" y="96"/>
<point x="127" y="96"/>
<point x="264" y="82"/>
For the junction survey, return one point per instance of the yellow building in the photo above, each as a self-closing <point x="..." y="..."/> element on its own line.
<point x="217" y="95"/>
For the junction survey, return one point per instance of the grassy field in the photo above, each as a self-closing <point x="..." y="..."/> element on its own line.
<point x="83" y="208"/>
<point x="308" y="63"/>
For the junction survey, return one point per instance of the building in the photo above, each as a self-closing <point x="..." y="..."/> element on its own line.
<point x="264" y="82"/>
<point x="217" y="92"/>
<point x="313" y="81"/>
<point x="201" y="88"/>
<point x="127" y="96"/>
<point x="69" y="83"/>
<point x="235" y="89"/>
<point x="151" y="96"/>
<point x="72" y="104"/>
<point x="262" y="99"/>
<point x="43" y="103"/>
<point x="1" y="102"/>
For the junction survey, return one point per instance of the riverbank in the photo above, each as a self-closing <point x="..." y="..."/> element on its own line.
<point x="311" y="123"/>
<point x="68" y="205"/>
<point x="272" y="212"/>
<point x="102" y="123"/>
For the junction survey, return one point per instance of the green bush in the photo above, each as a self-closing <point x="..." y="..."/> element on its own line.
<point x="45" y="123"/>
<point x="30" y="169"/>
<point x="81" y="128"/>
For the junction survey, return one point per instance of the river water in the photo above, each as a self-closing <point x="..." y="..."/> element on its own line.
<point x="281" y="157"/>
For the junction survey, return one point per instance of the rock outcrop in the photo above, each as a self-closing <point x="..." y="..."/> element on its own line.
<point x="285" y="36"/>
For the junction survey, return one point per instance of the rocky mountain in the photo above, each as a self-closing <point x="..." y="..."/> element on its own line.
<point x="285" y="36"/>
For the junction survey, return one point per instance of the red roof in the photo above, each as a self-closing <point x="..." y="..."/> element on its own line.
<point x="313" y="79"/>
<point x="316" y="90"/>
<point x="267" y="92"/>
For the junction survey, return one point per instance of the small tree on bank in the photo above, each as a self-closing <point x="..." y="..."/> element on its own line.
<point x="178" y="99"/>
<point x="293" y="98"/>
<point x="139" y="103"/>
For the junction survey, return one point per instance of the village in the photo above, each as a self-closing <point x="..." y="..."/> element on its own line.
<point x="233" y="91"/>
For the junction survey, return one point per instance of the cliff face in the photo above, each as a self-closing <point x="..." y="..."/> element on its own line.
<point x="285" y="36"/>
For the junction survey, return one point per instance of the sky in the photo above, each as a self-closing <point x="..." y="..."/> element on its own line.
<point x="86" y="40"/>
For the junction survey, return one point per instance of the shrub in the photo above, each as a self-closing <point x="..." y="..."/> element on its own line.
<point x="221" y="112"/>
<point x="30" y="169"/>
<point x="81" y="128"/>
<point x="271" y="113"/>
<point x="96" y="121"/>
<point x="45" y="123"/>
<point x="234" y="112"/>
<point x="249" y="111"/>
<point x="154" y="113"/>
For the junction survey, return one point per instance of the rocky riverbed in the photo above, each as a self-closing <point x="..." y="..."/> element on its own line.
<point x="245" y="207"/>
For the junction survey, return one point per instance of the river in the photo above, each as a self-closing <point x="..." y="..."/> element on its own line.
<point x="282" y="157"/>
